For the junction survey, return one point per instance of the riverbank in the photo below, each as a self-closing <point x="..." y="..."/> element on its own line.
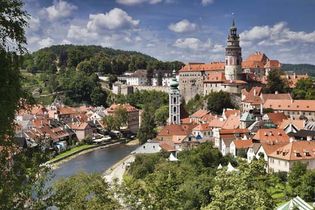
<point x="117" y="171"/>
<point x="56" y="163"/>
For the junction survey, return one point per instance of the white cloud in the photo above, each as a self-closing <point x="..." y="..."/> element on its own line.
<point x="188" y="43"/>
<point x="207" y="2"/>
<point x="277" y="34"/>
<point x="46" y="42"/>
<point x="34" y="24"/>
<point x="135" y="2"/>
<point x="182" y="26"/>
<point x="80" y="33"/>
<point x="114" y="19"/>
<point x="59" y="10"/>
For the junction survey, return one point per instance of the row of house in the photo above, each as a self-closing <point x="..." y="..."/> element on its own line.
<point x="58" y="125"/>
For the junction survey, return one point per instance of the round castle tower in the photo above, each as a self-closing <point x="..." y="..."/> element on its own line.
<point x="174" y="102"/>
<point x="233" y="55"/>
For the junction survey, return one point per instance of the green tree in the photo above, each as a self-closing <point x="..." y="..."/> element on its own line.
<point x="87" y="67"/>
<point x="147" y="128"/>
<point x="275" y="83"/>
<point x="217" y="101"/>
<point x="294" y="178"/>
<point x="161" y="115"/>
<point x="83" y="191"/>
<point x="304" y="90"/>
<point x="307" y="188"/>
<point x="121" y="116"/>
<point x="241" y="189"/>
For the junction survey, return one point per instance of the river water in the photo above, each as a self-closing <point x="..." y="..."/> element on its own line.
<point x="95" y="161"/>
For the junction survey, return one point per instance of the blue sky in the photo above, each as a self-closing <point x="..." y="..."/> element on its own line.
<point x="185" y="30"/>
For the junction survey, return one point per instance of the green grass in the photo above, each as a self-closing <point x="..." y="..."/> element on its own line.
<point x="71" y="151"/>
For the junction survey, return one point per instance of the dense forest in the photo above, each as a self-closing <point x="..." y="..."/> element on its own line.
<point x="92" y="59"/>
<point x="300" y="68"/>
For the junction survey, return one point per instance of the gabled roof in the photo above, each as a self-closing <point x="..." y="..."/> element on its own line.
<point x="128" y="107"/>
<point x="199" y="114"/>
<point x="253" y="96"/>
<point x="299" y="124"/>
<point x="214" y="66"/>
<point x="291" y="105"/>
<point x="232" y="122"/>
<point x="216" y="123"/>
<point x="243" y="144"/>
<point x="228" y="112"/>
<point x="297" y="150"/>
<point x="270" y="148"/>
<point x="271" y="136"/>
<point x="277" y="118"/>
<point x="167" y="146"/>
<point x="202" y="127"/>
<point x="278" y="96"/>
<point x="180" y="130"/>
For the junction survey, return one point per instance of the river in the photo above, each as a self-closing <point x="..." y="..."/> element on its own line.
<point x="95" y="161"/>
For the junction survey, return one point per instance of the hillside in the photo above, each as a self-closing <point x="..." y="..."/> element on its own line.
<point x="93" y="59"/>
<point x="300" y="68"/>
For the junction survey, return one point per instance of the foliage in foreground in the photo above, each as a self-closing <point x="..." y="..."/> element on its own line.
<point x="84" y="191"/>
<point x="217" y="101"/>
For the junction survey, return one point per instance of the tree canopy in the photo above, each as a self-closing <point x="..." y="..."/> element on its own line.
<point x="275" y="83"/>
<point x="217" y="101"/>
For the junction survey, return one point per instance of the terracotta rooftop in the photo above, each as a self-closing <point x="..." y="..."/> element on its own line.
<point x="291" y="105"/>
<point x="243" y="144"/>
<point x="232" y="122"/>
<point x="215" y="77"/>
<point x="167" y="146"/>
<point x="299" y="124"/>
<point x="270" y="148"/>
<point x="202" y="127"/>
<point x="181" y="130"/>
<point x="78" y="126"/>
<point x="128" y="107"/>
<point x="271" y="136"/>
<point x="297" y="150"/>
<point x="277" y="118"/>
<point x="252" y="96"/>
<point x="293" y="79"/>
<point x="279" y="96"/>
<point x="199" y="114"/>
<point x="214" y="66"/>
<point x="216" y="123"/>
<point x="234" y="131"/>
<point x="229" y="112"/>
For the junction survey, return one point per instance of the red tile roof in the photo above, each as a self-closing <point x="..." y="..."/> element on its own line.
<point x="297" y="150"/>
<point x="291" y="105"/>
<point x="271" y="136"/>
<point x="233" y="131"/>
<point x="232" y="122"/>
<point x="199" y="114"/>
<point x="243" y="144"/>
<point x="128" y="107"/>
<point x="167" y="146"/>
<point x="202" y="127"/>
<point x="276" y="118"/>
<point x="299" y="124"/>
<point x="215" y="77"/>
<point x="180" y="130"/>
<point x="214" y="66"/>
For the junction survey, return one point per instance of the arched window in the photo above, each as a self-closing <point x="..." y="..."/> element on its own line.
<point x="174" y="118"/>
<point x="174" y="100"/>
<point x="174" y="109"/>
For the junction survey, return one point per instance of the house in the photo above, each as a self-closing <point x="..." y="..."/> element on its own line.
<point x="297" y="151"/>
<point x="232" y="121"/>
<point x="292" y="126"/>
<point x="227" y="136"/>
<point x="294" y="78"/>
<point x="139" y="77"/>
<point x="271" y="136"/>
<point x="305" y="135"/>
<point x="252" y="151"/>
<point x="294" y="109"/>
<point x="82" y="130"/>
<point x="180" y="135"/>
<point x="254" y="99"/>
<point x="133" y="115"/>
<point x="151" y="146"/>
<point x="247" y="119"/>
<point x="202" y="131"/>
<point x="275" y="118"/>
<point x="239" y="147"/>
<point x="198" y="116"/>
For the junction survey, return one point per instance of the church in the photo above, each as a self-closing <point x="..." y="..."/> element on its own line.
<point x="231" y="76"/>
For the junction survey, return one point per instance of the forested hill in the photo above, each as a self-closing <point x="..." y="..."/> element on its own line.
<point x="300" y="68"/>
<point x="92" y="58"/>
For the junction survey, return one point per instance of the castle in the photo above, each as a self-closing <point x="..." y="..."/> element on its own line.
<point x="231" y="76"/>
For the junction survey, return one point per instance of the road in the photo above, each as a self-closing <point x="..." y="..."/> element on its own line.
<point x="117" y="171"/>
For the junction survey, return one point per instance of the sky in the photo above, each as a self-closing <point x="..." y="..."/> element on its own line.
<point x="184" y="30"/>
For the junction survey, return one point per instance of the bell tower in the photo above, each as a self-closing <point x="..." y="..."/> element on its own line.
<point x="174" y="102"/>
<point x="233" y="55"/>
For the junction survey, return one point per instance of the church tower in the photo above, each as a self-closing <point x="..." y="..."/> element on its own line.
<point x="174" y="102"/>
<point x="233" y="55"/>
